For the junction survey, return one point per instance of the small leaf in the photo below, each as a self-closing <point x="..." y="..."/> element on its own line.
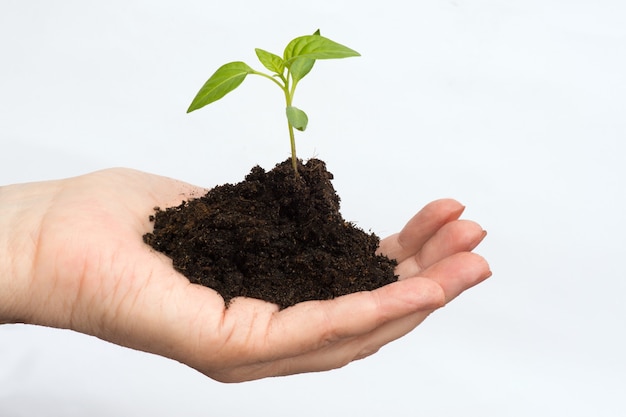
<point x="315" y="47"/>
<point x="301" y="67"/>
<point x="271" y="61"/>
<point x="223" y="81"/>
<point x="297" y="118"/>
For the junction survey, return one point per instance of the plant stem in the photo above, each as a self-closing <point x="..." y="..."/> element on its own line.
<point x="292" y="138"/>
<point x="294" y="160"/>
<point x="288" y="99"/>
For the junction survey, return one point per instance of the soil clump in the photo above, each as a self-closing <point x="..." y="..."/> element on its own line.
<point x="273" y="236"/>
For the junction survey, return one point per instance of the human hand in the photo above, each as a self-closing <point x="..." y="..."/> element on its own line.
<point x="73" y="257"/>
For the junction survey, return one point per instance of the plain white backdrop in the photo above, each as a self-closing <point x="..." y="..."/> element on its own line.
<point x="516" y="108"/>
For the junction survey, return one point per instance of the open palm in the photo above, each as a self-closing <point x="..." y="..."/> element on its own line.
<point x="85" y="267"/>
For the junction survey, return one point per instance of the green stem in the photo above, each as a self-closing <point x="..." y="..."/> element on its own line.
<point x="288" y="99"/>
<point x="294" y="161"/>
<point x="293" y="88"/>
<point x="292" y="138"/>
<point x="269" y="77"/>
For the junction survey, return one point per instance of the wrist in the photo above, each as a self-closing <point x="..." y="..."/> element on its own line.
<point x="22" y="207"/>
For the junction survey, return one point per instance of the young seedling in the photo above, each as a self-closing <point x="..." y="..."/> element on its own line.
<point x="297" y="61"/>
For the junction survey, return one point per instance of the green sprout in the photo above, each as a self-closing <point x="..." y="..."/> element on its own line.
<point x="297" y="61"/>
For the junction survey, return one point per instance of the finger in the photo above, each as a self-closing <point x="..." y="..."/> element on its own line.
<point x="458" y="272"/>
<point x="420" y="228"/>
<point x="454" y="276"/>
<point x="344" y="351"/>
<point x="341" y="353"/>
<point x="321" y="326"/>
<point x="352" y="315"/>
<point x="456" y="236"/>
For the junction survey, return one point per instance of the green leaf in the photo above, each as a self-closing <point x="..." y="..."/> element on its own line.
<point x="271" y="61"/>
<point x="315" y="47"/>
<point x="223" y="81"/>
<point x="297" y="118"/>
<point x="301" y="67"/>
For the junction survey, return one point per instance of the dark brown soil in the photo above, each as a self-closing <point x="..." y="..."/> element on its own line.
<point x="274" y="237"/>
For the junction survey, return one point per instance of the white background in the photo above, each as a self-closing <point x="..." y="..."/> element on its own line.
<point x="516" y="108"/>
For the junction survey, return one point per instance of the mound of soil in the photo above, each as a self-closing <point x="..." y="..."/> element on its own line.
<point x="274" y="237"/>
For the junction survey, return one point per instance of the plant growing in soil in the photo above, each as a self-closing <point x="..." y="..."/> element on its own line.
<point x="277" y="236"/>
<point x="297" y="61"/>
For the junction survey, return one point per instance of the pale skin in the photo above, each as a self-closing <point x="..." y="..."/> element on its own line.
<point x="72" y="256"/>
